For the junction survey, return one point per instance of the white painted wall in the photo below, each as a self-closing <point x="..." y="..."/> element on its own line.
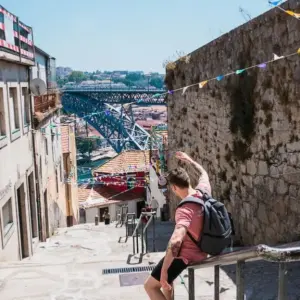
<point x="155" y="193"/>
<point x="16" y="158"/>
<point x="92" y="212"/>
<point x="48" y="163"/>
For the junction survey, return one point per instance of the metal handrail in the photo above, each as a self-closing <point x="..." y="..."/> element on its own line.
<point x="135" y="234"/>
<point x="239" y="257"/>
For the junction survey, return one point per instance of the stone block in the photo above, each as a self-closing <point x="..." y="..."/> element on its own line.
<point x="251" y="167"/>
<point x="263" y="168"/>
<point x="281" y="187"/>
<point x="293" y="147"/>
<point x="247" y="181"/>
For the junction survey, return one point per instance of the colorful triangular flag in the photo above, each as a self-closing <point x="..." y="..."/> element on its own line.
<point x="276" y="57"/>
<point x="262" y="66"/>
<point x="220" y="77"/>
<point x="239" y="71"/>
<point x="275" y="2"/>
<point x="202" y="84"/>
<point x="298" y="51"/>
<point x="184" y="89"/>
<point x="293" y="14"/>
<point x="171" y="92"/>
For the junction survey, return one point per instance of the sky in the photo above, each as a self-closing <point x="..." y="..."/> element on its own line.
<point x="127" y="35"/>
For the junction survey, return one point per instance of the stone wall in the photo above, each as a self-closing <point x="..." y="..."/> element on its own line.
<point x="245" y="129"/>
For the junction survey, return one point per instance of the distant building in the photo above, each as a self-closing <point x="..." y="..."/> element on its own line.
<point x="62" y="72"/>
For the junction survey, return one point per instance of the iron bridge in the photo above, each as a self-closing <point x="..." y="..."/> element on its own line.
<point x="114" y="95"/>
<point x="113" y="123"/>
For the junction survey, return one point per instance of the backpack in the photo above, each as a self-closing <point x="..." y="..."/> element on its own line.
<point x="217" y="228"/>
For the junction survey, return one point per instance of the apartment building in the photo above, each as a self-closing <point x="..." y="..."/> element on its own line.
<point x="48" y="149"/>
<point x="18" y="205"/>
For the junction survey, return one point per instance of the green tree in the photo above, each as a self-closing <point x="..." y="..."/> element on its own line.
<point x="77" y="76"/>
<point x="85" y="147"/>
<point x="157" y="82"/>
<point x="134" y="77"/>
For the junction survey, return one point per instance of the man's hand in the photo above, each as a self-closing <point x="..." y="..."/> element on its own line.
<point x="183" y="156"/>
<point x="164" y="280"/>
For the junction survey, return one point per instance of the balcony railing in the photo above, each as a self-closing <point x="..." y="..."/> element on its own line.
<point x="282" y="256"/>
<point x="45" y="103"/>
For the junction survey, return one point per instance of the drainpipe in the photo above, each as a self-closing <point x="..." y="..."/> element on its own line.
<point x="37" y="186"/>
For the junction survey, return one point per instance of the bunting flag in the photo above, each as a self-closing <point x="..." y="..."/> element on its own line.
<point x="276" y="57"/>
<point x="239" y="71"/>
<point x="202" y="84"/>
<point x="220" y="77"/>
<point x="184" y="89"/>
<point x="275" y="2"/>
<point x="262" y="66"/>
<point x="293" y="14"/>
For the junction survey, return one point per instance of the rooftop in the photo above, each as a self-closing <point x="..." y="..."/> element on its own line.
<point x="126" y="162"/>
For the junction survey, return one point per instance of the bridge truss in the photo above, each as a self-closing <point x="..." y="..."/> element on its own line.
<point x="118" y="96"/>
<point x="113" y="123"/>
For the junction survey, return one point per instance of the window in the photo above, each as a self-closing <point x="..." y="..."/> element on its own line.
<point x="14" y="109"/>
<point x="2" y="115"/>
<point x="7" y="217"/>
<point x="26" y="103"/>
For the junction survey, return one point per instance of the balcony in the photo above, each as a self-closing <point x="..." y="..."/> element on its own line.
<point x="45" y="106"/>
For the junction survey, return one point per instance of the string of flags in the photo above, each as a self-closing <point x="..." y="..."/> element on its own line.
<point x="262" y="65"/>
<point x="276" y="3"/>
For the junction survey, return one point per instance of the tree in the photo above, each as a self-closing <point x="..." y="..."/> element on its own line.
<point x="77" y="76"/>
<point x="85" y="146"/>
<point x="157" y="82"/>
<point x="134" y="77"/>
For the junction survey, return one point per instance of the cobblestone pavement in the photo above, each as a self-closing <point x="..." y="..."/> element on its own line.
<point x="69" y="267"/>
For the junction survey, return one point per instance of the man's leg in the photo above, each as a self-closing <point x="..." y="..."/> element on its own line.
<point x="152" y="287"/>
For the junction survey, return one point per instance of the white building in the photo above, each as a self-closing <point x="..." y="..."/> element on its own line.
<point x="18" y="206"/>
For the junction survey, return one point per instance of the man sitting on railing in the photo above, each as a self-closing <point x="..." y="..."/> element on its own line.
<point x="181" y="250"/>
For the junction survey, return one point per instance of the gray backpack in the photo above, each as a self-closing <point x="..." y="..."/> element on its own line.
<point x="216" y="233"/>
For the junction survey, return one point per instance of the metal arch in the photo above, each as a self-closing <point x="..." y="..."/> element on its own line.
<point x="121" y="131"/>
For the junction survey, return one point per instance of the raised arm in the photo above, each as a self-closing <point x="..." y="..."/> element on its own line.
<point x="197" y="169"/>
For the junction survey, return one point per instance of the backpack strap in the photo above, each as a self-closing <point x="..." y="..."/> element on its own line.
<point x="196" y="200"/>
<point x="205" y="195"/>
<point x="191" y="199"/>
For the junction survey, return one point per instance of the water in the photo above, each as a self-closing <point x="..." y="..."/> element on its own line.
<point x="86" y="173"/>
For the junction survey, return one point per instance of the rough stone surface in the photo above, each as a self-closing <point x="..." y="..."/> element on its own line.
<point x="246" y="125"/>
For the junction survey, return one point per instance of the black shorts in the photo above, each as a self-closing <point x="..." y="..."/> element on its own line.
<point x="174" y="270"/>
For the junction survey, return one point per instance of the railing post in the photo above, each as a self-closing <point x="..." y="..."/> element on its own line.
<point x="142" y="237"/>
<point x="137" y="241"/>
<point x="282" y="281"/>
<point x="217" y="282"/>
<point x="133" y="242"/>
<point x="153" y="235"/>
<point x="191" y="284"/>
<point x="240" y="280"/>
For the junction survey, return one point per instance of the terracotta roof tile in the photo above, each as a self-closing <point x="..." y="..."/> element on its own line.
<point x="127" y="161"/>
<point x="65" y="139"/>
